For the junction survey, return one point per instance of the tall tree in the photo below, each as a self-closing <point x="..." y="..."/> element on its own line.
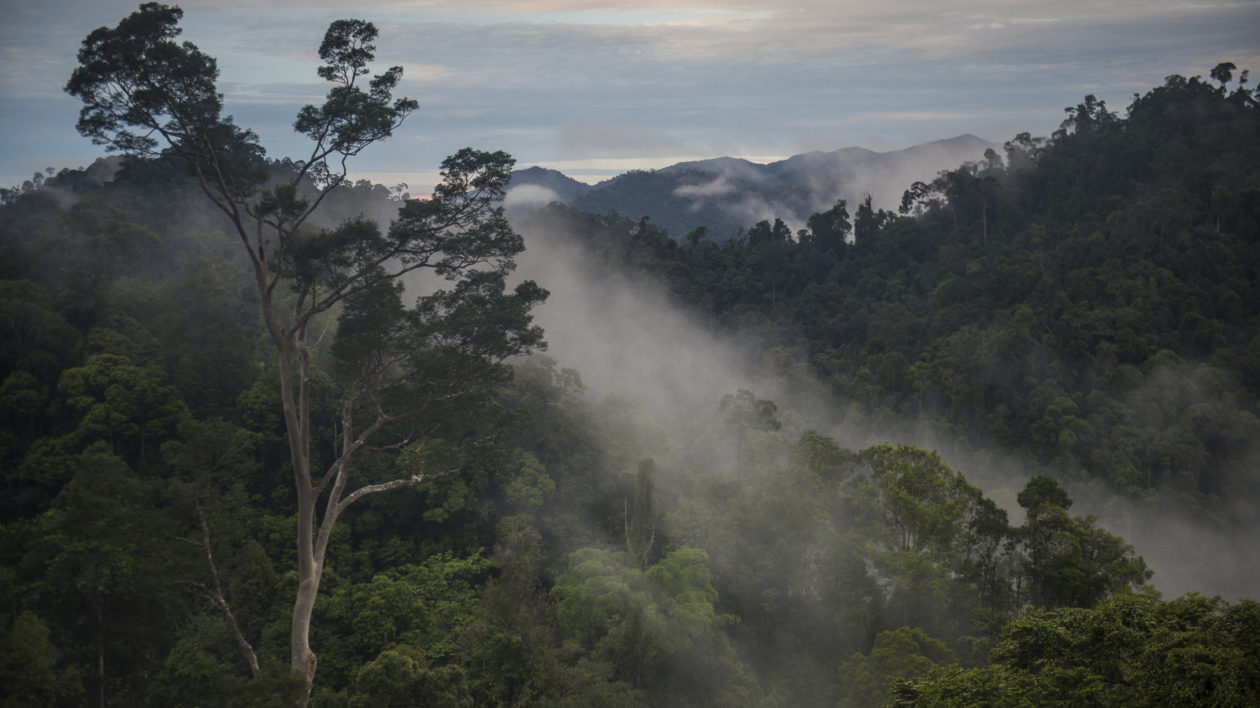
<point x="1070" y="561"/>
<point x="144" y="94"/>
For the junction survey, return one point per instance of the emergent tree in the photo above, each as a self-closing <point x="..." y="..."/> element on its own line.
<point x="146" y="95"/>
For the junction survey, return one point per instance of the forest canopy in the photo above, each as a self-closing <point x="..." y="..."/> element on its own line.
<point x="178" y="350"/>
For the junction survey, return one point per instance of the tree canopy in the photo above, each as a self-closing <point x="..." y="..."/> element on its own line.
<point x="146" y="95"/>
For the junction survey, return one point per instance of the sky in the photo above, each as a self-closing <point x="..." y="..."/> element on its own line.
<point x="595" y="88"/>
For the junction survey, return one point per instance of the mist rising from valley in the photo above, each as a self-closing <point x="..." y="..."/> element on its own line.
<point x="629" y="339"/>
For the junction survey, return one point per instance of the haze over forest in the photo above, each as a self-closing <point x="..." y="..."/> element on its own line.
<point x="938" y="421"/>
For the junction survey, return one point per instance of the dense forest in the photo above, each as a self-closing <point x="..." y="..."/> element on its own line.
<point x="209" y="354"/>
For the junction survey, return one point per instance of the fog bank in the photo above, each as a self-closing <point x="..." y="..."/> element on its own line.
<point x="626" y="337"/>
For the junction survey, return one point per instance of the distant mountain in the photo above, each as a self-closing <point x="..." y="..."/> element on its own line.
<point x="539" y="185"/>
<point x="726" y="166"/>
<point x="726" y="194"/>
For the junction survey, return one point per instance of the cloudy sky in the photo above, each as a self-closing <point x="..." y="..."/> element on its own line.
<point x="596" y="87"/>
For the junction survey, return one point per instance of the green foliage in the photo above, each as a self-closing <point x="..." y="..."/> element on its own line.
<point x="1070" y="561"/>
<point x="351" y="118"/>
<point x="121" y="404"/>
<point x="529" y="487"/>
<point x="925" y="501"/>
<point x="830" y="229"/>
<point x="95" y="565"/>
<point x="1131" y="650"/>
<point x="747" y="412"/>
<point x="29" y="667"/>
<point x="903" y="654"/>
<point x="138" y="75"/>
<point x="658" y="627"/>
<point x="938" y="542"/>
<point x="142" y="91"/>
<point x="1042" y="490"/>
<point x="191" y="674"/>
<point x="401" y="677"/>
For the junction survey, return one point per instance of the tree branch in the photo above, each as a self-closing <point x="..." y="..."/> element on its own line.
<point x="215" y="595"/>
<point x="378" y="488"/>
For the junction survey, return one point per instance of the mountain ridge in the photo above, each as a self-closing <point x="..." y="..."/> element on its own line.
<point x="727" y="195"/>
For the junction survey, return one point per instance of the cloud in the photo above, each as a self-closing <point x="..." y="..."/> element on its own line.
<point x="530" y="195"/>
<point x="600" y="79"/>
<point x="590" y="139"/>
<point x="715" y="188"/>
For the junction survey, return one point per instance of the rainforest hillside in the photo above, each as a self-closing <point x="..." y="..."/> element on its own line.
<point x="1084" y="307"/>
<point x="1088" y="299"/>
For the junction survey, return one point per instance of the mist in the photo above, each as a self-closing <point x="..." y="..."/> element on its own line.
<point x="628" y="338"/>
<point x="624" y="335"/>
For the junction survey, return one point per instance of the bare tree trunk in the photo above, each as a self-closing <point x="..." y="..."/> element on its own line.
<point x="301" y="659"/>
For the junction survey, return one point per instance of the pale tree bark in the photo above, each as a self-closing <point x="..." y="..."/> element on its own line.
<point x="293" y="369"/>
<point x="315" y="531"/>
<point x="462" y="229"/>
<point x="214" y="592"/>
